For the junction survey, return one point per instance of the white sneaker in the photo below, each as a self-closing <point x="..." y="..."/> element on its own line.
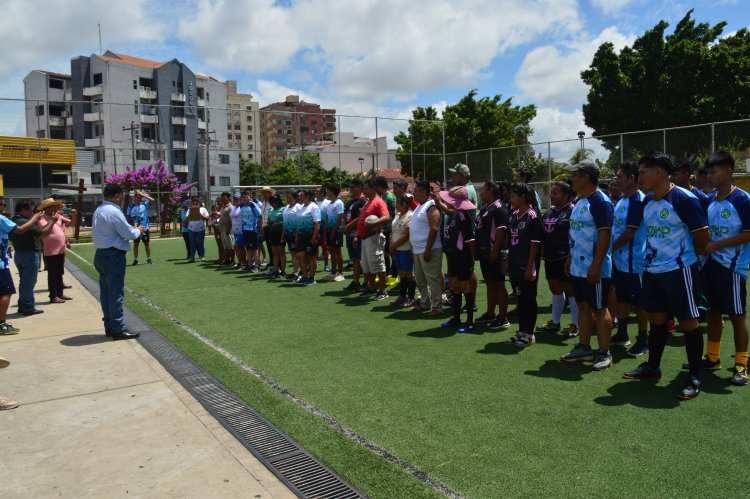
<point x="339" y="277"/>
<point x="269" y="271"/>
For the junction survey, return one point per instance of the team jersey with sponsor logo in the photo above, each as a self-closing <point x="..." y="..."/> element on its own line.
<point x="629" y="213"/>
<point x="556" y="232"/>
<point x="589" y="216"/>
<point x="727" y="218"/>
<point x="670" y="223"/>
<point x="307" y="216"/>
<point x="523" y="229"/>
<point x="490" y="219"/>
<point x="139" y="214"/>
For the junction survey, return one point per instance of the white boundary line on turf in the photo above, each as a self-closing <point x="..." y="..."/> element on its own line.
<point x="328" y="420"/>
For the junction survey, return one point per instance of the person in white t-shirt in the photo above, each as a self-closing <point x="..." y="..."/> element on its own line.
<point x="333" y="229"/>
<point x="197" y="230"/>
<point x="321" y="199"/>
<point x="400" y="249"/>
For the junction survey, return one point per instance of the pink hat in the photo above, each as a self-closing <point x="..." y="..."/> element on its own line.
<point x="458" y="197"/>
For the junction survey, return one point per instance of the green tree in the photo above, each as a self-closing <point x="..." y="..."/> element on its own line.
<point x="469" y="124"/>
<point x="252" y="173"/>
<point x="688" y="77"/>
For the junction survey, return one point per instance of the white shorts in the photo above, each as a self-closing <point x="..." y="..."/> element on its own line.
<point x="373" y="260"/>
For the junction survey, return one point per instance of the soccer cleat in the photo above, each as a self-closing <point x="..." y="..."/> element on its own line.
<point x="621" y="339"/>
<point x="485" y="317"/>
<point x="602" y="361"/>
<point x="614" y="323"/>
<point x="327" y="268"/>
<point x="352" y="287"/>
<point x="391" y="281"/>
<point x="398" y="301"/>
<point x="466" y="328"/>
<point x="706" y="364"/>
<point x="309" y="281"/>
<point x="500" y="323"/>
<point x="521" y="340"/>
<point x="150" y="261"/>
<point x="135" y="262"/>
<point x="465" y="308"/>
<point x="578" y="353"/>
<point x="740" y="376"/>
<point x="380" y="296"/>
<point x="671" y="328"/>
<point x="339" y="277"/>
<point x="643" y="371"/>
<point x="571" y="331"/>
<point x="263" y="262"/>
<point x="6" y="328"/>
<point x="366" y="291"/>
<point x="691" y="389"/>
<point x="640" y="347"/>
<point x="451" y="323"/>
<point x="548" y="327"/>
<point x="408" y="303"/>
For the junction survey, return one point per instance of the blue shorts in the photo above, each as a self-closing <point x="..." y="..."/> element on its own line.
<point x="628" y="287"/>
<point x="354" y="253"/>
<point x="675" y="292"/>
<point x="404" y="261"/>
<point x="725" y="290"/>
<point x="251" y="239"/>
<point x="594" y="294"/>
<point x="6" y="283"/>
<point x="239" y="239"/>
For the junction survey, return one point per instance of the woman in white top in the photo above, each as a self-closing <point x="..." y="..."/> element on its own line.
<point x="400" y="248"/>
<point x="427" y="250"/>
<point x="197" y="230"/>
<point x="235" y="215"/>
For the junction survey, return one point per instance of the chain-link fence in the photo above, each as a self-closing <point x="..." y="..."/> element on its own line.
<point x="202" y="143"/>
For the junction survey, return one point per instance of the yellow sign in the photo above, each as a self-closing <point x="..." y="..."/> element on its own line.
<point x="29" y="150"/>
<point x="2" y="187"/>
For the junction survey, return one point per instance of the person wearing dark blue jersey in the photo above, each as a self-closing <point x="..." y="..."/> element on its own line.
<point x="458" y="245"/>
<point x="491" y="227"/>
<point x="524" y="256"/>
<point x="726" y="270"/>
<point x="628" y="252"/>
<point x="590" y="264"/>
<point x="677" y="232"/>
<point x="555" y="251"/>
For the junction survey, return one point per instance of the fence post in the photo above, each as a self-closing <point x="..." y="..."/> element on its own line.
<point x="622" y="149"/>
<point x="664" y="140"/>
<point x="377" y="155"/>
<point x="492" y="170"/>
<point x="466" y="158"/>
<point x="445" y="173"/>
<point x="549" y="162"/>
<point x="713" y="138"/>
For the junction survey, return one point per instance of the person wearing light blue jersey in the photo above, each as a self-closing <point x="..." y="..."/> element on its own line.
<point x="725" y="272"/>
<point x="250" y="212"/>
<point x="138" y="213"/>
<point x="628" y="251"/>
<point x="676" y="233"/>
<point x="321" y="199"/>
<point x="333" y="232"/>
<point x="307" y="237"/>
<point x="290" y="231"/>
<point x="590" y="264"/>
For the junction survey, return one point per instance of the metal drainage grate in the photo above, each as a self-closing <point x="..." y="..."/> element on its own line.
<point x="295" y="467"/>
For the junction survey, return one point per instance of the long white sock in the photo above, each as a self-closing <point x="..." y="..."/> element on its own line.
<point x="573" y="311"/>
<point x="558" y="302"/>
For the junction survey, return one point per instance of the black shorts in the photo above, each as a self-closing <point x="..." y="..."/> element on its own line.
<point x="387" y="242"/>
<point x="460" y="265"/>
<point x="290" y="244"/>
<point x="675" y="292"/>
<point x="143" y="238"/>
<point x="6" y="283"/>
<point x="555" y="270"/>
<point x="335" y="239"/>
<point x="304" y="243"/>
<point x="251" y="239"/>
<point x="725" y="290"/>
<point x="355" y="253"/>
<point x="274" y="238"/>
<point x="492" y="271"/>
<point x="595" y="295"/>
<point x="628" y="287"/>
<point x="520" y="285"/>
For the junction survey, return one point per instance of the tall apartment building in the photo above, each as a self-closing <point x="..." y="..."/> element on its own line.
<point x="294" y="124"/>
<point x="177" y="116"/>
<point x="243" y="123"/>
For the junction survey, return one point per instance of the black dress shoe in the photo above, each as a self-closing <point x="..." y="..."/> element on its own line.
<point x="67" y="286"/>
<point x="124" y="335"/>
<point x="33" y="311"/>
<point x="107" y="332"/>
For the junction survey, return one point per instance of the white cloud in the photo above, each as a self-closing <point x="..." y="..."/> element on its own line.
<point x="37" y="33"/>
<point x="560" y="129"/>
<point x="611" y="6"/>
<point x="374" y="49"/>
<point x="550" y="75"/>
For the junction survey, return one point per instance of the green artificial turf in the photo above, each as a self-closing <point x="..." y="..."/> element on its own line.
<point x="484" y="418"/>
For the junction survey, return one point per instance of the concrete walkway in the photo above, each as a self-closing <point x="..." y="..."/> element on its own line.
<point x="102" y="418"/>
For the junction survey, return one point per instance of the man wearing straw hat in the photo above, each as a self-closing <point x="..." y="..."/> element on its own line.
<point x="54" y="245"/>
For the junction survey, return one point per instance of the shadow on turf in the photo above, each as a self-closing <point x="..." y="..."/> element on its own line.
<point x="436" y="332"/>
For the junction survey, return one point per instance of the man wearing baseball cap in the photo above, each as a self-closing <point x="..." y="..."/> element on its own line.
<point x="590" y="264"/>
<point x="461" y="175"/>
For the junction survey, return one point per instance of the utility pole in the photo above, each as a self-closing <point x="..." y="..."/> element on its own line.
<point x="133" y="137"/>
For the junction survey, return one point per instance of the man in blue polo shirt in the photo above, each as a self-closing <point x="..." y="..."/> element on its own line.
<point x="677" y="232"/>
<point x="725" y="271"/>
<point x="590" y="264"/>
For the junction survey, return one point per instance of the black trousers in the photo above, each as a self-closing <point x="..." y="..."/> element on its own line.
<point x="186" y="238"/>
<point x="55" y="267"/>
<point x="525" y="299"/>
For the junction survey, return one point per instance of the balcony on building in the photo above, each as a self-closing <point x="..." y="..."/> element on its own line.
<point x="68" y="94"/>
<point x="69" y="121"/>
<point x="97" y="116"/>
<point x="179" y="120"/>
<point x="95" y="142"/>
<point x="93" y="91"/>
<point x="149" y="118"/>
<point x="177" y="97"/>
<point x="201" y="124"/>
<point x="179" y="144"/>
<point x="56" y="121"/>
<point x="146" y="93"/>
<point x="201" y="102"/>
<point x="180" y="168"/>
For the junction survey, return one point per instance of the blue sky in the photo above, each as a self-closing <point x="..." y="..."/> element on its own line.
<point x="370" y="57"/>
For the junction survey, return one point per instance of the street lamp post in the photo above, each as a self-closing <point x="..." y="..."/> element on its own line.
<point x="361" y="166"/>
<point x="581" y="135"/>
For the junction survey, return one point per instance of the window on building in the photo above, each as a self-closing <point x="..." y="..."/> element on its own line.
<point x="288" y="132"/>
<point x="229" y="136"/>
<point x="236" y="127"/>
<point x="208" y="97"/>
<point x="237" y="136"/>
<point x="289" y="141"/>
<point x="250" y="155"/>
<point x="135" y="106"/>
<point x="174" y="84"/>
<point x="229" y="126"/>
<point x="40" y="134"/>
<point x="180" y="157"/>
<point x="54" y="83"/>
<point x="143" y="154"/>
<point x="236" y="106"/>
<point x="250" y="127"/>
<point x="40" y="110"/>
<point x="97" y="79"/>
<point x="250" y="138"/>
<point x="224" y="159"/>
<point x="288" y="123"/>
<point x="96" y="178"/>
<point x="213" y="181"/>
<point x="236" y="118"/>
<point x="249" y="108"/>
<point x="135" y="84"/>
<point x="224" y="181"/>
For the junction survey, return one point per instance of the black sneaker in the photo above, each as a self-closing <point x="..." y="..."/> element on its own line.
<point x="352" y="287"/>
<point x="33" y="311"/>
<point x="150" y="261"/>
<point x="640" y="347"/>
<point x="621" y="339"/>
<point x="485" y="317"/>
<point x="451" y="323"/>
<point x="549" y="327"/>
<point x="643" y="371"/>
<point x="691" y="389"/>
<point x="135" y="262"/>
<point x="366" y="292"/>
<point x="706" y="364"/>
<point x="740" y="376"/>
<point x="6" y="328"/>
<point x="500" y="323"/>
<point x="465" y="308"/>
<point x="380" y="296"/>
